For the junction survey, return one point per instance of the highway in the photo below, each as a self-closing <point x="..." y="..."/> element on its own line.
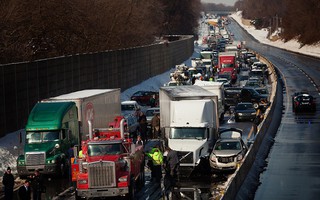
<point x="291" y="170"/>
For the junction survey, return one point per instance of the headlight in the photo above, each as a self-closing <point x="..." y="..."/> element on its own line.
<point x="253" y="113"/>
<point x="213" y="157"/>
<point x="123" y="179"/>
<point x="82" y="181"/>
<point x="239" y="157"/>
<point x="21" y="162"/>
<point x="85" y="165"/>
<point x="240" y="114"/>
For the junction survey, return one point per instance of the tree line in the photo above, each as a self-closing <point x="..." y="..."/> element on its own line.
<point x="297" y="18"/>
<point x="31" y="30"/>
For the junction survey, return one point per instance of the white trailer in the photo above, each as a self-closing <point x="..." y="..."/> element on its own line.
<point x="100" y="106"/>
<point x="189" y="120"/>
<point x="216" y="88"/>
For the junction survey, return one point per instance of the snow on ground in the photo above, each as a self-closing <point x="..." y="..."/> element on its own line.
<point x="8" y="154"/>
<point x="291" y="45"/>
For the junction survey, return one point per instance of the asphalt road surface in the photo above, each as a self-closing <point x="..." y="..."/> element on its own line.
<point x="292" y="170"/>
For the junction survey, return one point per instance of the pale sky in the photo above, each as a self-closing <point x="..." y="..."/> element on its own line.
<point x="226" y="2"/>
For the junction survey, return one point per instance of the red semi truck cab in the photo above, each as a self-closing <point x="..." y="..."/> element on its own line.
<point x="111" y="165"/>
<point x="227" y="64"/>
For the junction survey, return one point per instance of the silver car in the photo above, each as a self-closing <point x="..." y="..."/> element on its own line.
<point x="228" y="151"/>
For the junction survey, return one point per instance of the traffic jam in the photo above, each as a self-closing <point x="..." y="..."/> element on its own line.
<point x="183" y="141"/>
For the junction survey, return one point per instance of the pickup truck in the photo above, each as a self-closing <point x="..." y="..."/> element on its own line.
<point x="234" y="95"/>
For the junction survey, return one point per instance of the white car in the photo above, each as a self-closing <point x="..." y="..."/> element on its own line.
<point x="129" y="107"/>
<point x="151" y="112"/>
<point x="228" y="151"/>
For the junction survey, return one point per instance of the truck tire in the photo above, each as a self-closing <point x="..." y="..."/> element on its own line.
<point x="132" y="190"/>
<point x="77" y="197"/>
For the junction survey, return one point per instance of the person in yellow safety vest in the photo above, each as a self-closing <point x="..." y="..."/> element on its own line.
<point x="157" y="160"/>
<point x="80" y="154"/>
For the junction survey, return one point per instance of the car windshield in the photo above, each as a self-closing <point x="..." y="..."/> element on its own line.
<point x="244" y="106"/>
<point x="188" y="133"/>
<point x="105" y="149"/>
<point x="42" y="136"/>
<point x="127" y="107"/>
<point x="230" y="145"/>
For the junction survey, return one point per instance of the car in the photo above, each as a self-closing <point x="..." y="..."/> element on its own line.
<point x="262" y="90"/>
<point x="225" y="82"/>
<point x="150" y="113"/>
<point x="143" y="97"/>
<point x="129" y="107"/>
<point x="228" y="151"/>
<point x="253" y="84"/>
<point x="244" y="111"/>
<point x="303" y="101"/>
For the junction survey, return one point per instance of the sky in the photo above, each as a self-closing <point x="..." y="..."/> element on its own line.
<point x="226" y="2"/>
<point x="8" y="152"/>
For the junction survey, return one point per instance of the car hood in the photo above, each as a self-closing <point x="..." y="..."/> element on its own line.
<point x="226" y="153"/>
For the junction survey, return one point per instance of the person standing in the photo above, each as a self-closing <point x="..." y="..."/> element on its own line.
<point x="155" y="124"/>
<point x="171" y="165"/>
<point x="37" y="185"/>
<point x="153" y="101"/>
<point x="139" y="141"/>
<point x="24" y="191"/>
<point x="8" y="183"/>
<point x="143" y="128"/>
<point x="157" y="161"/>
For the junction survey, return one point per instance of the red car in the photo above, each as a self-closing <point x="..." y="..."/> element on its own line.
<point x="143" y="97"/>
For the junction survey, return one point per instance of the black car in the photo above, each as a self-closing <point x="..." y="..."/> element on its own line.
<point x="244" y="111"/>
<point x="303" y="101"/>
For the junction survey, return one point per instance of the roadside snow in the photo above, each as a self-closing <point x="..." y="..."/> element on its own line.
<point x="291" y="45"/>
<point x="8" y="154"/>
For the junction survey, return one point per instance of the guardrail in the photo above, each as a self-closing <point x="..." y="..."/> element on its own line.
<point x="266" y="127"/>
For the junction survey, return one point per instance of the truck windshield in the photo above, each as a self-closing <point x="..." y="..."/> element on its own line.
<point x="41" y="136"/>
<point x="104" y="149"/>
<point x="188" y="133"/>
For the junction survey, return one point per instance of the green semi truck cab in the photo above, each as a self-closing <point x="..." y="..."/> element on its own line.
<point x="52" y="129"/>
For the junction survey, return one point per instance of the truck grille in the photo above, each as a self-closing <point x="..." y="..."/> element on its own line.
<point x="101" y="174"/>
<point x="35" y="158"/>
<point x="184" y="158"/>
<point x="226" y="159"/>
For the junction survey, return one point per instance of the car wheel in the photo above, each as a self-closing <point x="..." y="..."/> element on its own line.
<point x="256" y="105"/>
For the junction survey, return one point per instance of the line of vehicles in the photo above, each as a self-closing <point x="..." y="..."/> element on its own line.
<point x="91" y="121"/>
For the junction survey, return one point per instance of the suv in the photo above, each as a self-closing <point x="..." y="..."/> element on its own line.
<point x="129" y="108"/>
<point x="234" y="95"/>
<point x="228" y="151"/>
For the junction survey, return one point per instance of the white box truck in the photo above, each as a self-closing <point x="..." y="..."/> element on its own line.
<point x="100" y="106"/>
<point x="216" y="88"/>
<point x="189" y="120"/>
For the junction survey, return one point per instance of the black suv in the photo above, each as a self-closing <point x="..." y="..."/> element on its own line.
<point x="234" y="95"/>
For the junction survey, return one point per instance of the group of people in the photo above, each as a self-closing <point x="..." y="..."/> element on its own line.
<point x="168" y="161"/>
<point x="143" y="132"/>
<point x="34" y="185"/>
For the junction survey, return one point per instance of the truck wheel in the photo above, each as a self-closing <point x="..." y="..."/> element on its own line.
<point x="132" y="190"/>
<point x="77" y="197"/>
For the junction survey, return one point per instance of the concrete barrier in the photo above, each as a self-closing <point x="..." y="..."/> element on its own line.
<point x="268" y="125"/>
